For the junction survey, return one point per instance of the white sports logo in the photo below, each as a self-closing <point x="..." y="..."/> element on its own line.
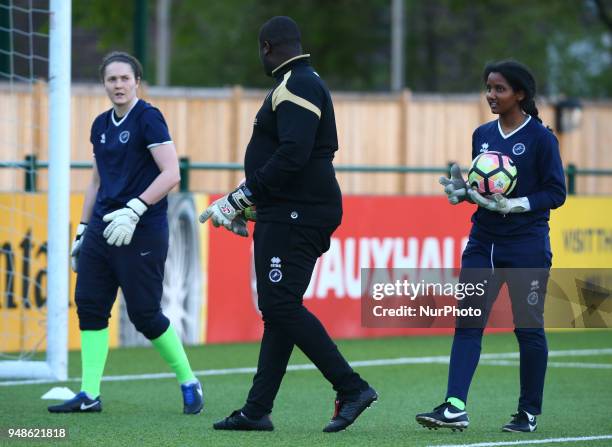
<point x="449" y="415"/>
<point x="87" y="407"/>
<point x="124" y="136"/>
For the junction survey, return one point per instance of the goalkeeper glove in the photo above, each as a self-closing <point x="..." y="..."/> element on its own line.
<point x="123" y="222"/>
<point x="223" y="211"/>
<point x="500" y="204"/>
<point x="239" y="226"/>
<point x="76" y="246"/>
<point x="454" y="187"/>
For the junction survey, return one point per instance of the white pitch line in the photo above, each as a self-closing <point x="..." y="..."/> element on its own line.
<point x="530" y="441"/>
<point x="499" y="359"/>
<point x="550" y="364"/>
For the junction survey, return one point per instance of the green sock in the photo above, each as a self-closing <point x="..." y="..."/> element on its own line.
<point x="456" y="402"/>
<point x="171" y="349"/>
<point x="94" y="349"/>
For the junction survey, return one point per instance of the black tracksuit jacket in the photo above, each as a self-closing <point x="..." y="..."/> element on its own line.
<point x="288" y="161"/>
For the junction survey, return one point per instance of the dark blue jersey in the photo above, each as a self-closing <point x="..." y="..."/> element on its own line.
<point x="122" y="149"/>
<point x="535" y="151"/>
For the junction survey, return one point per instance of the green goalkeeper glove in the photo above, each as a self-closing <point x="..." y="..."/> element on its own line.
<point x="250" y="213"/>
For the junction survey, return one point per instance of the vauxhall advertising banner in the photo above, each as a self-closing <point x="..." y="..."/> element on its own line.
<point x="386" y="233"/>
<point x="376" y="232"/>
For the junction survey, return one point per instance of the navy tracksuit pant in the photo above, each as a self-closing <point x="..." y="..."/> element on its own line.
<point x="524" y="266"/>
<point x="138" y="268"/>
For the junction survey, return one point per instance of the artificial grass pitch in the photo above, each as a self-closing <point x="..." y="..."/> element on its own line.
<point x="148" y="411"/>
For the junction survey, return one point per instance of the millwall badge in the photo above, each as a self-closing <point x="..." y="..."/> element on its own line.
<point x="124" y="136"/>
<point x="518" y="149"/>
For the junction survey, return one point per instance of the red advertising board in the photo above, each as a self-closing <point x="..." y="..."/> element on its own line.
<point x="376" y="232"/>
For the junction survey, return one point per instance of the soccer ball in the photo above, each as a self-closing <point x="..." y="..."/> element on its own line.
<point x="493" y="173"/>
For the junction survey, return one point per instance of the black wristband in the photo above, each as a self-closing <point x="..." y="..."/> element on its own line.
<point x="241" y="197"/>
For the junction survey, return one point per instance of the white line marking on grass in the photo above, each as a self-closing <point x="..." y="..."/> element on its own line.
<point x="530" y="441"/>
<point x="498" y="359"/>
<point x="550" y="364"/>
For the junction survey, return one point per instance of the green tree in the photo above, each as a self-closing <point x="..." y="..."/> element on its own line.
<point x="567" y="43"/>
<point x="563" y="41"/>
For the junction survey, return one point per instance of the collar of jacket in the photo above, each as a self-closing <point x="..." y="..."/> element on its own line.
<point x="283" y="68"/>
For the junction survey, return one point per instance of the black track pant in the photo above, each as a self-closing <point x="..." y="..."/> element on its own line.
<point x="285" y="257"/>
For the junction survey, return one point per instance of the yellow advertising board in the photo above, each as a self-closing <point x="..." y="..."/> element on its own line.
<point x="23" y="274"/>
<point x="581" y="233"/>
<point x="201" y="201"/>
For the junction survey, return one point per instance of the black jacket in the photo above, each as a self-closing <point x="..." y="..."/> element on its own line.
<point x="288" y="161"/>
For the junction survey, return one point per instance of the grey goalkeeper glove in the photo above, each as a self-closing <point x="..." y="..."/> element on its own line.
<point x="454" y="187"/>
<point x="500" y="204"/>
<point x="76" y="246"/>
<point x="239" y="226"/>
<point x="123" y="223"/>
<point x="224" y="210"/>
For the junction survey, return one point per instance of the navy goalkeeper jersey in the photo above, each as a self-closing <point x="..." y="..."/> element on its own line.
<point x="122" y="149"/>
<point x="535" y="152"/>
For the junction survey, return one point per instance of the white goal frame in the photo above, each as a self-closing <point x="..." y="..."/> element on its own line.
<point x="55" y="366"/>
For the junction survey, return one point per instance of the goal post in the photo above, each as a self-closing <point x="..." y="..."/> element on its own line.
<point x="59" y="187"/>
<point x="55" y="364"/>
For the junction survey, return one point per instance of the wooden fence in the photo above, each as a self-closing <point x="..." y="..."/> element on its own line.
<point x="214" y="125"/>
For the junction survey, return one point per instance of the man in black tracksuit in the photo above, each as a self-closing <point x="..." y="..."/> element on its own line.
<point x="291" y="180"/>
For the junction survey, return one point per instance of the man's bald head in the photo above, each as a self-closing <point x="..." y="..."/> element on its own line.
<point x="279" y="41"/>
<point x="281" y="31"/>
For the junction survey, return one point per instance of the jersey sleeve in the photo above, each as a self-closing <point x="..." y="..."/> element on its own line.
<point x="297" y="103"/>
<point x="155" y="128"/>
<point x="475" y="143"/>
<point x="552" y="191"/>
<point x="94" y="133"/>
<point x="91" y="134"/>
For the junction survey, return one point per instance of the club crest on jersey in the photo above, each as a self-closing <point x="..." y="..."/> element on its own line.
<point x="484" y="147"/>
<point x="518" y="149"/>
<point x="124" y="136"/>
<point x="533" y="298"/>
<point x="103" y="138"/>
<point x="275" y="275"/>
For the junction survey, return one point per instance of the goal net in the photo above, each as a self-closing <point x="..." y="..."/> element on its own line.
<point x="34" y="187"/>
